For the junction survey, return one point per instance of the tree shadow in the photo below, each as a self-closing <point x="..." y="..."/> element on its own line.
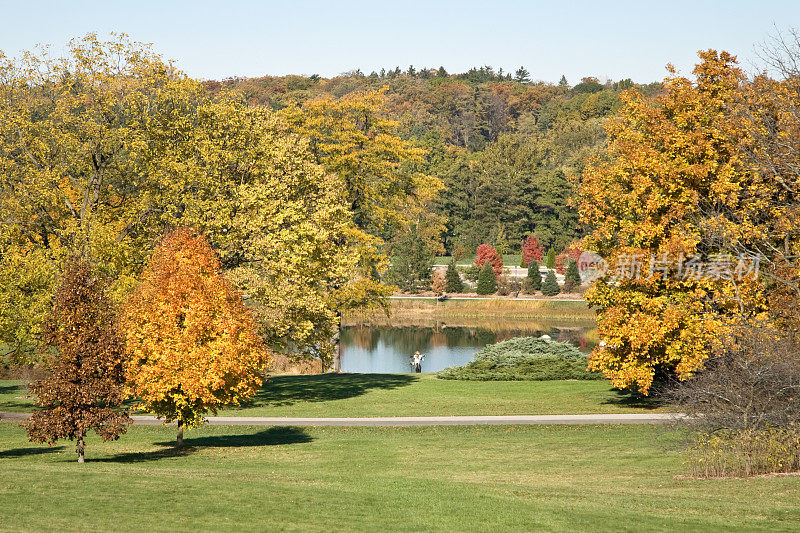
<point x="8" y="389"/>
<point x="22" y="452"/>
<point x="273" y="436"/>
<point x="287" y="390"/>
<point x="634" y="400"/>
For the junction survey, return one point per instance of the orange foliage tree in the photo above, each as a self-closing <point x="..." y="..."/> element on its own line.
<point x="532" y="249"/>
<point x="191" y="341"/>
<point x="572" y="251"/>
<point x="487" y="252"/>
<point x="673" y="165"/>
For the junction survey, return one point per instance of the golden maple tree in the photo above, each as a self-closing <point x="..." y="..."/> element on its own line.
<point x="192" y="344"/>
<point x="673" y="162"/>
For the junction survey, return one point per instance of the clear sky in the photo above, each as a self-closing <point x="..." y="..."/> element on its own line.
<point x="577" y="38"/>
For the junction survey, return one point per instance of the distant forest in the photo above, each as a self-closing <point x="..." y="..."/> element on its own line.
<point x="507" y="149"/>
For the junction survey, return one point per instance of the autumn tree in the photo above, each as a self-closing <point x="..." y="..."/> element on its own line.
<point x="103" y="149"/>
<point x="486" y="253"/>
<point x="85" y="387"/>
<point x="192" y="344"/>
<point x="532" y="250"/>
<point x="673" y="171"/>
<point x="570" y="253"/>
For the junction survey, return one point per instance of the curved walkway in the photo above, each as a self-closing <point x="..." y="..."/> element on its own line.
<point x="630" y="418"/>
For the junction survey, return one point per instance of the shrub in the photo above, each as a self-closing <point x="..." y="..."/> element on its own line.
<point x="745" y="405"/>
<point x="453" y="281"/>
<point x="532" y="250"/>
<point x="572" y="279"/>
<point x="486" y="253"/>
<point x="487" y="284"/>
<point x="745" y="453"/>
<point x="504" y="286"/>
<point x="524" y="359"/>
<point x="550" y="285"/>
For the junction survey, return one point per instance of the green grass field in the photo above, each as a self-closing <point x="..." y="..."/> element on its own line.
<point x="409" y="395"/>
<point x="500" y="478"/>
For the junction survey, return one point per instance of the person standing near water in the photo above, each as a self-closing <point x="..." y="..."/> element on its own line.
<point x="416" y="362"/>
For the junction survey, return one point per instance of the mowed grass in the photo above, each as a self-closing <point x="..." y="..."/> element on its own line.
<point x="467" y="478"/>
<point x="365" y="395"/>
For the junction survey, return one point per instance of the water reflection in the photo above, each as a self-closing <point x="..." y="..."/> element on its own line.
<point x="387" y="349"/>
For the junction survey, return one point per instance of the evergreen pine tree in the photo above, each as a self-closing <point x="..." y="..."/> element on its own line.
<point x="572" y="279"/>
<point x="550" y="262"/>
<point x="453" y="279"/>
<point x="550" y="285"/>
<point x="487" y="284"/>
<point x="534" y="275"/>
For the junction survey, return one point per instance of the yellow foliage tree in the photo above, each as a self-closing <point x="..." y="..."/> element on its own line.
<point x="673" y="162"/>
<point x="104" y="149"/>
<point x="191" y="342"/>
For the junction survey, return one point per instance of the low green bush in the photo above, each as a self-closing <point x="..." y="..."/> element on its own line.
<point x="523" y="359"/>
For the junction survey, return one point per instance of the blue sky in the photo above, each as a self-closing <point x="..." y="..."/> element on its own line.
<point x="576" y="38"/>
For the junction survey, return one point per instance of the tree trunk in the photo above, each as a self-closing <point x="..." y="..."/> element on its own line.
<point x="337" y="340"/>
<point x="79" y="448"/>
<point x="179" y="440"/>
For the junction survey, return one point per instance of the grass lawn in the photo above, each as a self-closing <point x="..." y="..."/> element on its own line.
<point x="410" y="395"/>
<point x="500" y="478"/>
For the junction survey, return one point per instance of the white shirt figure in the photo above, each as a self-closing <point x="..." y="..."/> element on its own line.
<point x="416" y="362"/>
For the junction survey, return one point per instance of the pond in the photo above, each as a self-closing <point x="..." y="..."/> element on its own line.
<point x="388" y="349"/>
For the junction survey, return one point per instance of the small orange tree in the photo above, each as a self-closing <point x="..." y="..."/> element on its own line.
<point x="86" y="383"/>
<point x="192" y="342"/>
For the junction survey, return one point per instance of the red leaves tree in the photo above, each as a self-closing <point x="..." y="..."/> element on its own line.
<point x="192" y="343"/>
<point x="573" y="251"/>
<point x="487" y="252"/>
<point x="532" y="249"/>
<point x="86" y="385"/>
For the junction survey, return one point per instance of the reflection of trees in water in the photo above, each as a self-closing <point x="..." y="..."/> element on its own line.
<point x="408" y="339"/>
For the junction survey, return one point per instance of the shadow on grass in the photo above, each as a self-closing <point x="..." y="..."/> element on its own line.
<point x="8" y="389"/>
<point x="22" y="452"/>
<point x="634" y="400"/>
<point x="273" y="436"/>
<point x="287" y="390"/>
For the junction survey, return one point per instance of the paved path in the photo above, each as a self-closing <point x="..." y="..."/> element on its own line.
<point x="632" y="418"/>
<point x="510" y="299"/>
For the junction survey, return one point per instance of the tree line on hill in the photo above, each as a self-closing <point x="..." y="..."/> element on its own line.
<point x="505" y="148"/>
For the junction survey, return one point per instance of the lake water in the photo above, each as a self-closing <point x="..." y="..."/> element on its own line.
<point x="388" y="349"/>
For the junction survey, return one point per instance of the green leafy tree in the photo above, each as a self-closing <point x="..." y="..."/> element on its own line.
<point x="487" y="283"/>
<point x="550" y="285"/>
<point x="412" y="263"/>
<point x="453" y="279"/>
<point x="85" y="387"/>
<point x="550" y="261"/>
<point x="572" y="278"/>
